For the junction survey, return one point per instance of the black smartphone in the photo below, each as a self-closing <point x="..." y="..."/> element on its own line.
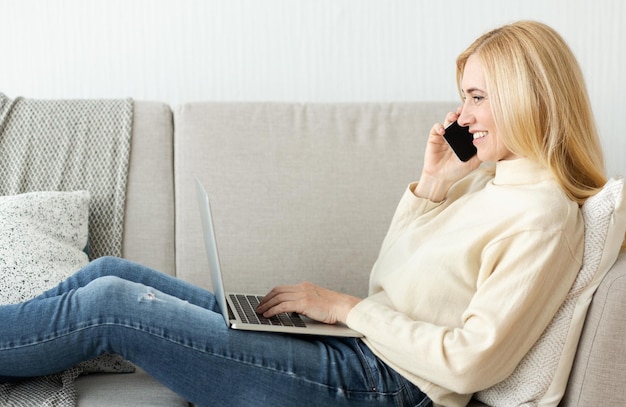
<point x="460" y="140"/>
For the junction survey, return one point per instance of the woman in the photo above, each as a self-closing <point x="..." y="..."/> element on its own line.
<point x="460" y="292"/>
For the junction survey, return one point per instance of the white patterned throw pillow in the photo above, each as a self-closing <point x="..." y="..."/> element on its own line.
<point x="541" y="377"/>
<point x="42" y="241"/>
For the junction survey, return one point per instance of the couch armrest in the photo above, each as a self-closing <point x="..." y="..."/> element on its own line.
<point x="599" y="370"/>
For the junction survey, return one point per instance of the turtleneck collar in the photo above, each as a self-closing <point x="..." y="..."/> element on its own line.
<point x="519" y="171"/>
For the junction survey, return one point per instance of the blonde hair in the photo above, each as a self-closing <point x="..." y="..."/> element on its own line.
<point x="540" y="104"/>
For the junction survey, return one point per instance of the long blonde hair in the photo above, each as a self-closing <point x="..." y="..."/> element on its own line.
<point x="540" y="104"/>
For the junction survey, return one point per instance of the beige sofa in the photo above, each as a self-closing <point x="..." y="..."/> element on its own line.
<point x="299" y="192"/>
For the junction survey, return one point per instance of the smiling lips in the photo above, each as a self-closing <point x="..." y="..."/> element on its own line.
<point x="480" y="134"/>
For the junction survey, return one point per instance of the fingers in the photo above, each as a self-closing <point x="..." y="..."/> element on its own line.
<point x="305" y="298"/>
<point x="451" y="117"/>
<point x="310" y="300"/>
<point x="281" y="299"/>
<point x="439" y="129"/>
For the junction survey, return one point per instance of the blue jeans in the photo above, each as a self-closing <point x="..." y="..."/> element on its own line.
<point x="172" y="330"/>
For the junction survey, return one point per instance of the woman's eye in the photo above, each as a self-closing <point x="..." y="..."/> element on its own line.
<point x="476" y="99"/>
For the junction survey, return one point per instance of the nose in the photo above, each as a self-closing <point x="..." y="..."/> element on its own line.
<point x="466" y="117"/>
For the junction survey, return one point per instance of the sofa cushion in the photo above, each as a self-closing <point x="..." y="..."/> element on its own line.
<point x="149" y="213"/>
<point x="298" y="191"/>
<point x="541" y="377"/>
<point x="132" y="390"/>
<point x="599" y="371"/>
<point x="42" y="237"/>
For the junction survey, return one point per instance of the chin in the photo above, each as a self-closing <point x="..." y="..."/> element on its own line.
<point x="484" y="157"/>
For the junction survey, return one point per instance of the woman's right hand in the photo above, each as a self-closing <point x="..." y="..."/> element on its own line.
<point x="442" y="167"/>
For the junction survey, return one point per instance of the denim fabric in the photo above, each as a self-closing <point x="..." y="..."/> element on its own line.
<point x="171" y="329"/>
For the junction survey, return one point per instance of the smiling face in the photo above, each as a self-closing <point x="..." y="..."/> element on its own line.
<point x="476" y="114"/>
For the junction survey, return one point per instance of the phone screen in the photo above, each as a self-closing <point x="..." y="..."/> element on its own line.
<point x="460" y="140"/>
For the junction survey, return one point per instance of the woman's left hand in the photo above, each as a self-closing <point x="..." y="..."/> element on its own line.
<point x="309" y="300"/>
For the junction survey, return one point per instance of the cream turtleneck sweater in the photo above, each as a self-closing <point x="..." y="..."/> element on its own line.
<point x="463" y="288"/>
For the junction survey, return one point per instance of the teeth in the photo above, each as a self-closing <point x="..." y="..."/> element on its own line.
<point x="480" y="134"/>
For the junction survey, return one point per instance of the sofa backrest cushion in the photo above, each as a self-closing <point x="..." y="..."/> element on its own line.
<point x="298" y="191"/>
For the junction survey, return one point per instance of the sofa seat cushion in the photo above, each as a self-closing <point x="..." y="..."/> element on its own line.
<point x="120" y="390"/>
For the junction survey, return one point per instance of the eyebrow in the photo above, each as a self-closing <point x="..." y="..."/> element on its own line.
<point x="471" y="90"/>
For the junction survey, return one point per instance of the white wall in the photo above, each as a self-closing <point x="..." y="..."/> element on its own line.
<point x="290" y="50"/>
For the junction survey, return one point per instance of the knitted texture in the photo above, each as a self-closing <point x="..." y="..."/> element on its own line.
<point x="66" y="145"/>
<point x="47" y="391"/>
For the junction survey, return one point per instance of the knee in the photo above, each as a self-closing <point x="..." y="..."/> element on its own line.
<point x="108" y="289"/>
<point x="106" y="301"/>
<point x="105" y="266"/>
<point x="122" y="294"/>
<point x="105" y="262"/>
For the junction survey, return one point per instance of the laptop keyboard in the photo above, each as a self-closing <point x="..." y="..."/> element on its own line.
<point x="246" y="305"/>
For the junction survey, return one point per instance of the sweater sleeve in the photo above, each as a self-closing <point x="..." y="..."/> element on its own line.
<point x="522" y="282"/>
<point x="409" y="208"/>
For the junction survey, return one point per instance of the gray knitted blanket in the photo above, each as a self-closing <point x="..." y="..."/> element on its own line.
<point x="66" y="145"/>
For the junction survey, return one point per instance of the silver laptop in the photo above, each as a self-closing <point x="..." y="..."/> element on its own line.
<point x="238" y="309"/>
